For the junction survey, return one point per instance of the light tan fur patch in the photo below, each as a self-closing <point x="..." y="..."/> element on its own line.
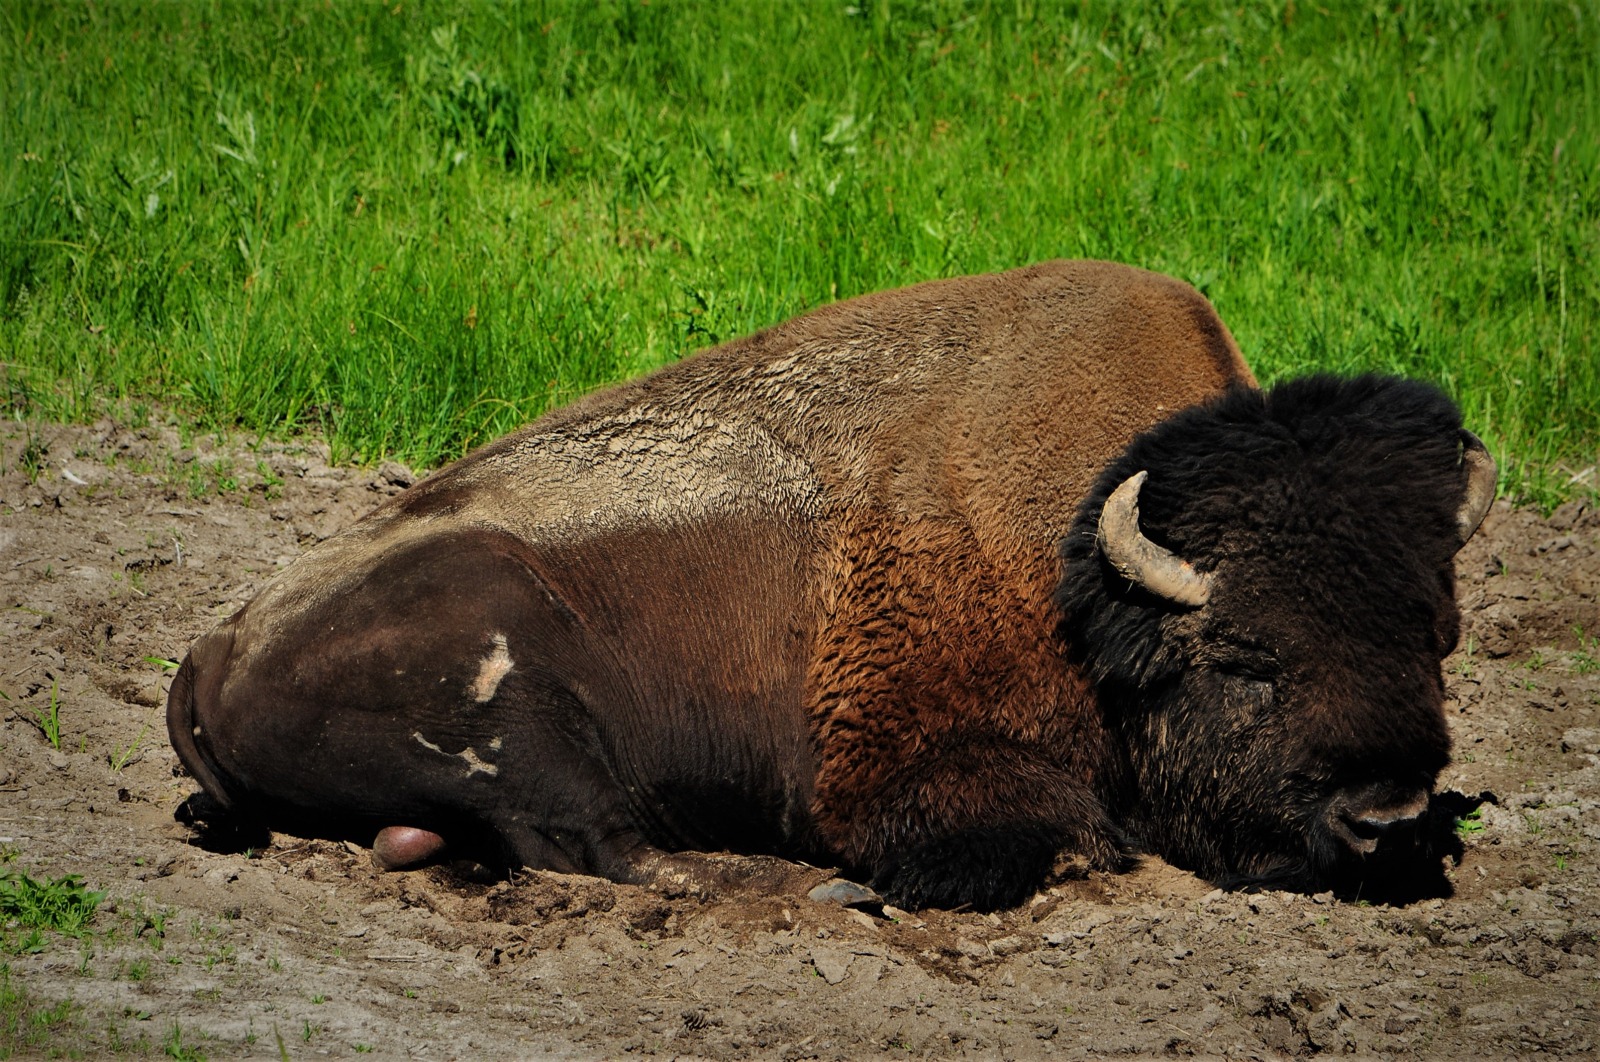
<point x="475" y="763"/>
<point x="491" y="671"/>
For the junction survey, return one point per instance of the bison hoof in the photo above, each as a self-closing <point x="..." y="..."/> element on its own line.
<point x="845" y="894"/>
<point x="202" y="809"/>
<point x="981" y="869"/>
<point x="405" y="847"/>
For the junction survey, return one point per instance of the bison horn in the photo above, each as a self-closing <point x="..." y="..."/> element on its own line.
<point x="1480" y="485"/>
<point x="1139" y="560"/>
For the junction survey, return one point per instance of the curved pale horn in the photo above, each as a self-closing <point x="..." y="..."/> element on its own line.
<point x="1480" y="485"/>
<point x="1139" y="560"/>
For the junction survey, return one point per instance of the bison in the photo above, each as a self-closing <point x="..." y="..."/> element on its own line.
<point x="935" y="585"/>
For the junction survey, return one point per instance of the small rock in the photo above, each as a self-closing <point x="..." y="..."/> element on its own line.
<point x="59" y="760"/>
<point x="831" y="964"/>
<point x="1566" y="516"/>
<point x="396" y="474"/>
<point x="844" y="893"/>
<point x="1006" y="946"/>
<point x="1581" y="739"/>
<point x="862" y="917"/>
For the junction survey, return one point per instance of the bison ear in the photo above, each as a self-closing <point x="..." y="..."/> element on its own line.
<point x="1141" y="561"/>
<point x="1481" y="473"/>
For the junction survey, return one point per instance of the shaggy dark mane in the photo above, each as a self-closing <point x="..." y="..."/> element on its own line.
<point x="1326" y="511"/>
<point x="1351" y="452"/>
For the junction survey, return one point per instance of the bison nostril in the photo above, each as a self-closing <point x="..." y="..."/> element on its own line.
<point x="1363" y="825"/>
<point x="1376" y="827"/>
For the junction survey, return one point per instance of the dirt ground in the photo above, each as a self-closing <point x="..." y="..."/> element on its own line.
<point x="132" y="541"/>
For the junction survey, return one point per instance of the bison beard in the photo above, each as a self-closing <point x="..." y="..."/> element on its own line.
<point x="936" y="584"/>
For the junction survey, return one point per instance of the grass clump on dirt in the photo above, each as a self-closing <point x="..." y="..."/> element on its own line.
<point x="416" y="226"/>
<point x="25" y="1024"/>
<point x="29" y="907"/>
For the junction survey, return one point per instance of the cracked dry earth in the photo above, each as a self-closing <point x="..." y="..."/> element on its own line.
<point x="130" y="543"/>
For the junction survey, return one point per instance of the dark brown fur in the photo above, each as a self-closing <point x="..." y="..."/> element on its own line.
<point x="1271" y="733"/>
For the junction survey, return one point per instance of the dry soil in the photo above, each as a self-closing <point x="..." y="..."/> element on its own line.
<point x="131" y="541"/>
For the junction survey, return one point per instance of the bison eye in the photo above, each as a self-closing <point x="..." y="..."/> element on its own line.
<point x="1250" y="691"/>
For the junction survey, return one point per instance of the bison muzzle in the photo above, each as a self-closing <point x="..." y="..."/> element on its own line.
<point x="936" y="585"/>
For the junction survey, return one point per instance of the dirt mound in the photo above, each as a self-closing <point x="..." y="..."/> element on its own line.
<point x="132" y="542"/>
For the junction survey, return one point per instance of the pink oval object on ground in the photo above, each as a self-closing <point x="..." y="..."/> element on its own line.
<point x="404" y="847"/>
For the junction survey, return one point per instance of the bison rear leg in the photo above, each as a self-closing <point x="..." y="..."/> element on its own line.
<point x="620" y="855"/>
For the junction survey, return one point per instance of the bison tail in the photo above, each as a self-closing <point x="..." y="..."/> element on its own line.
<point x="184" y="731"/>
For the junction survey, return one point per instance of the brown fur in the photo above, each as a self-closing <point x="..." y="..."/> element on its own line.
<point x="934" y="701"/>
<point x="844" y="526"/>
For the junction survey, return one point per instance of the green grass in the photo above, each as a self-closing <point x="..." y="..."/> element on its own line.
<point x="413" y="226"/>
<point x="1585" y="660"/>
<point x="63" y="905"/>
<point x="48" y="718"/>
<point x="26" y="1025"/>
<point x="28" y="908"/>
<point x="174" y="1047"/>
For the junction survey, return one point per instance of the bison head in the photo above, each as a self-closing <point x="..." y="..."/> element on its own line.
<point x="1262" y="590"/>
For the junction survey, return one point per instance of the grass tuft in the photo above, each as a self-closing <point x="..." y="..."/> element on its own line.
<point x="48" y="718"/>
<point x="1471" y="823"/>
<point x="62" y="905"/>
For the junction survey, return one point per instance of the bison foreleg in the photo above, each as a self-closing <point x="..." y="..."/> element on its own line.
<point x="983" y="868"/>
<point x="978" y="821"/>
